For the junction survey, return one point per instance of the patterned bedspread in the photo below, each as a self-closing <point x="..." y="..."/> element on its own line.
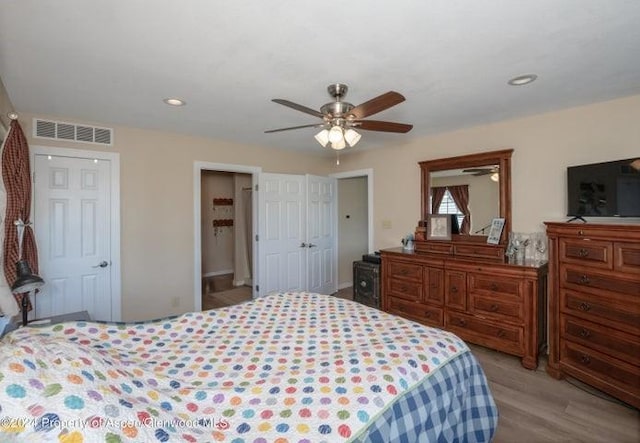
<point x="294" y="367"/>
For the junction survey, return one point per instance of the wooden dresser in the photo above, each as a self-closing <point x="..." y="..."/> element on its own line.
<point x="594" y="306"/>
<point x="493" y="304"/>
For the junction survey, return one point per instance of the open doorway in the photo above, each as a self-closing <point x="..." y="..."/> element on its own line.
<point x="355" y="227"/>
<point x="225" y="226"/>
<point x="226" y="245"/>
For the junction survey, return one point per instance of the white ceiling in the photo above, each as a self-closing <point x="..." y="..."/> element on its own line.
<point x="113" y="61"/>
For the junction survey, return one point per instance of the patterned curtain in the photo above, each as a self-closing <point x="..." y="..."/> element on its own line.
<point x="460" y="195"/>
<point x="16" y="175"/>
<point x="437" y="194"/>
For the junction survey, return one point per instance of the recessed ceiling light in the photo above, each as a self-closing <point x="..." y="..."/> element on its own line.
<point x="522" y="80"/>
<point x="174" y="101"/>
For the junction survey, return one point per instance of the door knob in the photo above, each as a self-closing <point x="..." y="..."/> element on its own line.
<point x="102" y="264"/>
<point x="303" y="245"/>
<point x="311" y="245"/>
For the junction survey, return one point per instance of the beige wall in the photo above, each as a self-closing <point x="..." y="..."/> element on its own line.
<point x="544" y="145"/>
<point x="157" y="184"/>
<point x="156" y="178"/>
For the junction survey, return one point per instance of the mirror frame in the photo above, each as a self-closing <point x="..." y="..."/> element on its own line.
<point x="501" y="158"/>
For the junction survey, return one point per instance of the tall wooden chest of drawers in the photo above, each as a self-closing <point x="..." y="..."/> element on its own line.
<point x="594" y="306"/>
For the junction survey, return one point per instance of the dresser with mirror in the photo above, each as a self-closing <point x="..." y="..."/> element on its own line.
<point x="463" y="283"/>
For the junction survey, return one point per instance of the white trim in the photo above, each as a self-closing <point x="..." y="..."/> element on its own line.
<point x="369" y="174"/>
<point x="198" y="167"/>
<point x="114" y="158"/>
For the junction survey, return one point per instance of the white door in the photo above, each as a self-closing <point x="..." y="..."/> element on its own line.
<point x="321" y="235"/>
<point x="72" y="216"/>
<point x="282" y="261"/>
<point x="297" y="240"/>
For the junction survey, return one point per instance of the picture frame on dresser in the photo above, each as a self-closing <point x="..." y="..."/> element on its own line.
<point x="439" y="227"/>
<point x="497" y="225"/>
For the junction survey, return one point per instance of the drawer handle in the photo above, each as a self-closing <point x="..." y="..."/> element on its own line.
<point x="454" y="289"/>
<point x="585" y="307"/>
<point x="501" y="333"/>
<point x="493" y="308"/>
<point x="427" y="314"/>
<point x="585" y="359"/>
<point x="462" y="322"/>
<point x="585" y="333"/>
<point x="403" y="271"/>
<point x="583" y="252"/>
<point x="403" y="288"/>
<point x="494" y="287"/>
<point x="584" y="280"/>
<point x="581" y="232"/>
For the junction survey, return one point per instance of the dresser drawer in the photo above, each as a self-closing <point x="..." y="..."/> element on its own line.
<point x="399" y="269"/>
<point x="416" y="311"/>
<point x="485" y="332"/>
<point x="480" y="251"/>
<point x="586" y="252"/>
<point x="496" y="308"/>
<point x="615" y="310"/>
<point x="494" y="285"/>
<point x="408" y="290"/>
<point x="627" y="257"/>
<point x="585" y="279"/>
<point x="603" y="339"/>
<point x="455" y="289"/>
<point x="604" y="372"/>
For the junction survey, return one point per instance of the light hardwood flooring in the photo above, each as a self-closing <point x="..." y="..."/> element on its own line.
<point x="536" y="408"/>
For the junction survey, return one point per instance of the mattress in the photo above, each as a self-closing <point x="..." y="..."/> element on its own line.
<point x="289" y="367"/>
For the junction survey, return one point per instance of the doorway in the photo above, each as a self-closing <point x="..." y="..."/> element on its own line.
<point x="355" y="223"/>
<point x="225" y="223"/>
<point x="226" y="241"/>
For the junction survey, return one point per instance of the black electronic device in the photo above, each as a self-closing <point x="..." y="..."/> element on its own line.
<point x="609" y="189"/>
<point x="372" y="258"/>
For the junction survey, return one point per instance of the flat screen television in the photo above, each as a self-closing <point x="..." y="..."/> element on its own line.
<point x="610" y="189"/>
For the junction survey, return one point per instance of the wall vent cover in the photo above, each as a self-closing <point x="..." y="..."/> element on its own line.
<point x="71" y="132"/>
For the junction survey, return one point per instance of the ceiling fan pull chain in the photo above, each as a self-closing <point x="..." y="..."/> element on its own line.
<point x="337" y="157"/>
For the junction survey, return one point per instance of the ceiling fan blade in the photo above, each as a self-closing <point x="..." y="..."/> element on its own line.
<point x="298" y="107"/>
<point x="315" y="125"/>
<point x="377" y="104"/>
<point x="377" y="125"/>
<point x="477" y="170"/>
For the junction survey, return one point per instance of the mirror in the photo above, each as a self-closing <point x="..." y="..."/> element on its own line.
<point x="482" y="181"/>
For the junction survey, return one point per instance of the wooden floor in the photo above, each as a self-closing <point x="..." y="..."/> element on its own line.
<point x="536" y="408"/>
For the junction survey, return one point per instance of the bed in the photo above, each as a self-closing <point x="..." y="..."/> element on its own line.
<point x="289" y="367"/>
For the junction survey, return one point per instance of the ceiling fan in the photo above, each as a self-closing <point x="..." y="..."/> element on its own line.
<point x="482" y="171"/>
<point x="340" y="118"/>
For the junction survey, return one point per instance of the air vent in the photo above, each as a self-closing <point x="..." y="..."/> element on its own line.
<point x="71" y="132"/>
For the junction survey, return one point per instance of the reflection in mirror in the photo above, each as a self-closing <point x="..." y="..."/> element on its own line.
<point x="475" y="187"/>
<point x="483" y="201"/>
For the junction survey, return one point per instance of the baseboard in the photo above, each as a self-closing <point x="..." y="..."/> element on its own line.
<point x="345" y="285"/>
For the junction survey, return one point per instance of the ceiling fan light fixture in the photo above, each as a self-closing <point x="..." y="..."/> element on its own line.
<point x="339" y="145"/>
<point x="323" y="137"/>
<point x="335" y="134"/>
<point x="352" y="137"/>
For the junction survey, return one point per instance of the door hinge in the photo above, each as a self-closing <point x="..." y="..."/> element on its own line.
<point x="257" y="237"/>
<point x="256" y="187"/>
<point x="258" y="288"/>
